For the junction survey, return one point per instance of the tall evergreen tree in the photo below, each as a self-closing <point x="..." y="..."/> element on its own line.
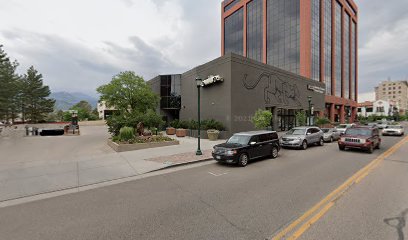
<point x="36" y="103"/>
<point x="9" y="88"/>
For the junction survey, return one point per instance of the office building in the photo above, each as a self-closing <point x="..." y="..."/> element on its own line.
<point x="393" y="91"/>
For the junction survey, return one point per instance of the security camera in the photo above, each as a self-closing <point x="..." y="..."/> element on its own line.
<point x="211" y="80"/>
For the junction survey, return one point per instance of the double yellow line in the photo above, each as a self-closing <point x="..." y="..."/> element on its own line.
<point x="307" y="220"/>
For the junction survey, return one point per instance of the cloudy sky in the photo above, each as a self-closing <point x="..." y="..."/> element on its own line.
<point x="80" y="44"/>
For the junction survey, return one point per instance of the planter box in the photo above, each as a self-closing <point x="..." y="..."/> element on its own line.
<point x="170" y="131"/>
<point x="204" y="135"/>
<point x="138" y="146"/>
<point x="181" y="132"/>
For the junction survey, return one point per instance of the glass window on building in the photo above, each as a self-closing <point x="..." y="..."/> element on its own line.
<point x="328" y="45"/>
<point x="346" y="77"/>
<point x="233" y="33"/>
<point x="338" y="48"/>
<point x="316" y="40"/>
<point x="283" y="34"/>
<point x="255" y="30"/>
<point x="231" y="5"/>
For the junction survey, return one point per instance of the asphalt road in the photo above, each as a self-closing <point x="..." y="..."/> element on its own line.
<point x="208" y="202"/>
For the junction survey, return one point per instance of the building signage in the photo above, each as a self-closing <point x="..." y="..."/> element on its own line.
<point x="315" y="89"/>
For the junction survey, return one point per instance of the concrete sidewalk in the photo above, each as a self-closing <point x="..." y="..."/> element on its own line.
<point x="28" y="178"/>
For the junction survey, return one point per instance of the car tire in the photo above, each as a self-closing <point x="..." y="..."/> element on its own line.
<point x="243" y="160"/>
<point x="274" y="152"/>
<point x="370" y="149"/>
<point x="342" y="148"/>
<point x="304" y="145"/>
<point x="378" y="146"/>
<point x="321" y="142"/>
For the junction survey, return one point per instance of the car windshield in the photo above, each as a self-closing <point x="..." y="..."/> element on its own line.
<point x="342" y="126"/>
<point x="239" y="139"/>
<point x="326" y="130"/>
<point x="296" y="131"/>
<point x="358" y="131"/>
<point x="395" y="127"/>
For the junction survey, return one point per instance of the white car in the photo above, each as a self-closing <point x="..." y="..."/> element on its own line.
<point x="393" y="130"/>
<point x="343" y="127"/>
<point x="382" y="125"/>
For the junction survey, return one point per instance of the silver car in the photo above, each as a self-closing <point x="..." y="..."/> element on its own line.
<point x="330" y="134"/>
<point x="343" y="127"/>
<point x="302" y="137"/>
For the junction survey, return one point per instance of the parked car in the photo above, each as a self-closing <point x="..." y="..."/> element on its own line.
<point x="382" y="125"/>
<point x="330" y="134"/>
<point x="343" y="127"/>
<point x="302" y="137"/>
<point x="365" y="138"/>
<point x="246" y="146"/>
<point x="372" y="124"/>
<point x="394" y="130"/>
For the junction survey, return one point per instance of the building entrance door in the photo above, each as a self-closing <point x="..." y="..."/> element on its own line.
<point x="287" y="118"/>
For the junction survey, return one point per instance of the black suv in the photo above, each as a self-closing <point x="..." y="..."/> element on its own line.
<point x="242" y="147"/>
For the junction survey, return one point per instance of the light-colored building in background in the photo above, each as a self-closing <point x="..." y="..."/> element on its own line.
<point x="378" y="108"/>
<point x="104" y="111"/>
<point x="394" y="90"/>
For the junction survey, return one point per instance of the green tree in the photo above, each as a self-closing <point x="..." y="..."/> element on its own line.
<point x="128" y="92"/>
<point x="301" y="118"/>
<point x="36" y="104"/>
<point x="262" y="119"/>
<point x="10" y="84"/>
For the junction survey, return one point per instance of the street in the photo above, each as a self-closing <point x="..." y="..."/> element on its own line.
<point x="213" y="201"/>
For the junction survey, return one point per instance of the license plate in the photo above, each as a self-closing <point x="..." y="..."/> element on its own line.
<point x="218" y="157"/>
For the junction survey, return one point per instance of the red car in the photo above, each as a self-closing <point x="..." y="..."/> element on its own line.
<point x="365" y="138"/>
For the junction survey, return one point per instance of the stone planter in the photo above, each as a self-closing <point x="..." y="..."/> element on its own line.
<point x="119" y="147"/>
<point x="181" y="132"/>
<point x="213" y="134"/>
<point x="170" y="131"/>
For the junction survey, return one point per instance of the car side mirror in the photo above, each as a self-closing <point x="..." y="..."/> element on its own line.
<point x="252" y="143"/>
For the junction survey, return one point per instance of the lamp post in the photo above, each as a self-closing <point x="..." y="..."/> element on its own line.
<point x="198" y="82"/>
<point x="309" y="98"/>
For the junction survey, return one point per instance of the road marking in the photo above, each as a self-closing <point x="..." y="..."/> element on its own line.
<point x="326" y="203"/>
<point x="219" y="174"/>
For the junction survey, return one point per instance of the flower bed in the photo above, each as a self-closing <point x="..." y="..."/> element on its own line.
<point x="139" y="143"/>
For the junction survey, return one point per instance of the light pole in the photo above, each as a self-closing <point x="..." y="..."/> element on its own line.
<point x="309" y="98"/>
<point x="198" y="82"/>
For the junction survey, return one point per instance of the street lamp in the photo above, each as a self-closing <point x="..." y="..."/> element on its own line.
<point x="309" y="98"/>
<point x="199" y="82"/>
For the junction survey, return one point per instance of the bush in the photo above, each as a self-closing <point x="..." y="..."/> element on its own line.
<point x="262" y="119"/>
<point x="322" y="121"/>
<point x="301" y="118"/>
<point x="175" y="123"/>
<point x="212" y="124"/>
<point x="126" y="134"/>
<point x="151" y="119"/>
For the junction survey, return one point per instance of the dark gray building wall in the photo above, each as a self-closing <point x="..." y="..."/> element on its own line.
<point x="248" y="85"/>
<point x="154" y="84"/>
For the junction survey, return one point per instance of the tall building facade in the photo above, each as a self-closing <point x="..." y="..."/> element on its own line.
<point x="395" y="91"/>
<point x="316" y="39"/>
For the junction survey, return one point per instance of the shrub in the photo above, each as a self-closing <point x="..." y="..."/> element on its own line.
<point x="184" y="124"/>
<point x="212" y="124"/>
<point x="126" y="134"/>
<point x="301" y="118"/>
<point x="322" y="121"/>
<point x="262" y="119"/>
<point x="175" y="123"/>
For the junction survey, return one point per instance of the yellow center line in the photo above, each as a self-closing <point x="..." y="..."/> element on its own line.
<point x="329" y="200"/>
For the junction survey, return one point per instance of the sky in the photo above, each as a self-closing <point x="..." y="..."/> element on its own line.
<point x="79" y="45"/>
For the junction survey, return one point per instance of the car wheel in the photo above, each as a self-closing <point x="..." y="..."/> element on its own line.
<point x="321" y="142"/>
<point x="342" y="148"/>
<point x="378" y="146"/>
<point x="274" y="152"/>
<point x="304" y="145"/>
<point x="371" y="149"/>
<point x="243" y="160"/>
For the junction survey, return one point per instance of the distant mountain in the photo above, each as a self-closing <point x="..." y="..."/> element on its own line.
<point x="65" y="100"/>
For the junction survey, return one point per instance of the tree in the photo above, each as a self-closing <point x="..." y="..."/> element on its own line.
<point x="262" y="119"/>
<point x="301" y="118"/>
<point x="134" y="100"/>
<point x="128" y="92"/>
<point x="36" y="103"/>
<point x="10" y="84"/>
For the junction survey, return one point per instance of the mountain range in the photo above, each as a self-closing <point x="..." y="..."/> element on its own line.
<point x="65" y="100"/>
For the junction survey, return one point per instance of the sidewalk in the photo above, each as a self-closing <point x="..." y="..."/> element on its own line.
<point x="376" y="208"/>
<point x="22" y="179"/>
